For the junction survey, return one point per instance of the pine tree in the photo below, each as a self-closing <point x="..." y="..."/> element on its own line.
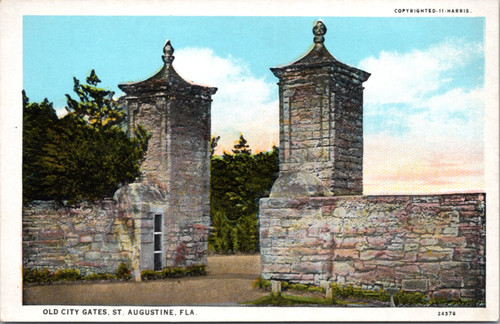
<point x="214" y="140"/>
<point x="38" y="120"/>
<point x="96" y="106"/>
<point x="85" y="155"/>
<point x="237" y="182"/>
<point x="241" y="147"/>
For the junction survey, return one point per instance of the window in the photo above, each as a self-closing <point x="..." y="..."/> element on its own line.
<point x="157" y="238"/>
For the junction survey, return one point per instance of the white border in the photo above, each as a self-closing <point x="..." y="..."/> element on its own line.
<point x="11" y="13"/>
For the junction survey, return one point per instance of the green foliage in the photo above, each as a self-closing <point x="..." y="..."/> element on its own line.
<point x="196" y="270"/>
<point x="409" y="298"/>
<point x="35" y="275"/>
<point x="38" y="120"/>
<point x="301" y="287"/>
<point x="237" y="183"/>
<point x="100" y="276"/>
<point x="122" y="272"/>
<point x="350" y="291"/>
<point x="84" y="155"/>
<point x="95" y="106"/>
<point x="67" y="275"/>
<point x="213" y="144"/>
<point x="285" y="300"/>
<point x="442" y="301"/>
<point x="241" y="147"/>
<point x="150" y="274"/>
<point x="262" y="283"/>
<point x="285" y="285"/>
<point x="174" y="272"/>
<point x="406" y="298"/>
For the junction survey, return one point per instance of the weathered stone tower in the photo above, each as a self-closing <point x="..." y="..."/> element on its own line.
<point x="321" y="122"/>
<point x="177" y="114"/>
<point x="317" y="228"/>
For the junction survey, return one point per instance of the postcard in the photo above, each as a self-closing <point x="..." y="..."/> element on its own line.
<point x="250" y="161"/>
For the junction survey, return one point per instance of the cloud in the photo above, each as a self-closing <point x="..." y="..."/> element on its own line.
<point x="413" y="76"/>
<point x="423" y="123"/>
<point x="243" y="103"/>
<point x="423" y="126"/>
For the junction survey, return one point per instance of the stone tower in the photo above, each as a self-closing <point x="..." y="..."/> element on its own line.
<point x="177" y="114"/>
<point x="321" y="123"/>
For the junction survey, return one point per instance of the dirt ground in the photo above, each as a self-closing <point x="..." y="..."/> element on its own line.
<point x="229" y="281"/>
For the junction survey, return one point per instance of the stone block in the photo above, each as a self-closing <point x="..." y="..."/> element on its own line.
<point x="446" y="293"/>
<point x="410" y="247"/>
<point x="371" y="255"/>
<point x="450" y="282"/>
<point x="434" y="256"/>
<point x="86" y="239"/>
<point x="450" y="265"/>
<point x="393" y="255"/>
<point x="450" y="230"/>
<point x="343" y="267"/>
<point x="410" y="256"/>
<point x="93" y="255"/>
<point x="384" y="273"/>
<point x="408" y="269"/>
<point x="428" y="241"/>
<point x="345" y="254"/>
<point x="471" y="293"/>
<point x="473" y="282"/>
<point x="395" y="247"/>
<point x="307" y="267"/>
<point x="421" y="285"/>
<point x="377" y="241"/>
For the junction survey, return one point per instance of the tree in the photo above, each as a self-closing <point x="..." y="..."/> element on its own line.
<point x="237" y="182"/>
<point x="241" y="147"/>
<point x="38" y="120"/>
<point x="214" y="140"/>
<point x="85" y="155"/>
<point x="96" y="106"/>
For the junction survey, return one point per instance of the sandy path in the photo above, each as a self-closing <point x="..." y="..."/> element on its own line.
<point x="229" y="281"/>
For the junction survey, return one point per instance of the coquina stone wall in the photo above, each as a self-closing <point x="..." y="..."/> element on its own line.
<point x="97" y="237"/>
<point x="433" y="244"/>
<point x="89" y="237"/>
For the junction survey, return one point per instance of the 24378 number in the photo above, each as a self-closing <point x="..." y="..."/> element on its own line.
<point x="447" y="313"/>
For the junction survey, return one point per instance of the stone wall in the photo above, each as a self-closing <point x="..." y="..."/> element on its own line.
<point x="89" y="237"/>
<point x="97" y="237"/>
<point x="434" y="244"/>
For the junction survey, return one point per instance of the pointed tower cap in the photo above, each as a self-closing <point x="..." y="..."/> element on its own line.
<point x="166" y="78"/>
<point x="319" y="56"/>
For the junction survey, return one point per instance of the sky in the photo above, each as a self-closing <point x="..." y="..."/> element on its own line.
<point x="423" y="104"/>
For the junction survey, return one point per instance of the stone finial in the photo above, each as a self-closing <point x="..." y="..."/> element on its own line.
<point x="168" y="52"/>
<point x="319" y="30"/>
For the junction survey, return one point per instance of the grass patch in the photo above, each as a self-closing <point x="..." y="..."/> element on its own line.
<point x="349" y="295"/>
<point x="266" y="285"/>
<point x="122" y="273"/>
<point x="405" y="298"/>
<point x="351" y="292"/>
<point x="193" y="270"/>
<point x="46" y="276"/>
<point x="262" y="284"/>
<point x="100" y="276"/>
<point x="285" y="300"/>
